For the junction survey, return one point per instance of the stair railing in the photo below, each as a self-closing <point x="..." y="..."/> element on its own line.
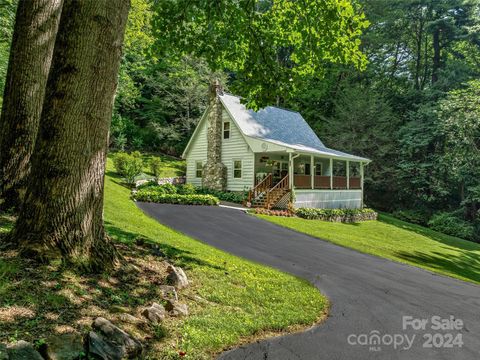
<point x="281" y="185"/>
<point x="261" y="187"/>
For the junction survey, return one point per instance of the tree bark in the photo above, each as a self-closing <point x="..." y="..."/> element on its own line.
<point x="436" y="55"/>
<point x="36" y="25"/>
<point x="62" y="215"/>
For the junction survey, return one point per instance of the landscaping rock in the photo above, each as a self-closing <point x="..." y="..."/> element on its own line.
<point x="176" y="276"/>
<point x="156" y="251"/>
<point x="168" y="292"/>
<point x="109" y="342"/>
<point x="154" y="313"/>
<point x="176" y="309"/>
<point x="130" y="319"/>
<point x="23" y="350"/>
<point x="140" y="240"/>
<point x="68" y="346"/>
<point x="3" y="352"/>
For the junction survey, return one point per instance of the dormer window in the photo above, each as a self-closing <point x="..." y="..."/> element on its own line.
<point x="226" y="130"/>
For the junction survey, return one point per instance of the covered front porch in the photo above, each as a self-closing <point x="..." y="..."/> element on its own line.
<point x="319" y="181"/>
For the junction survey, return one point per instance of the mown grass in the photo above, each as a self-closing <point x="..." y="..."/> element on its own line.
<point x="239" y="299"/>
<point x="231" y="300"/>
<point x="397" y="240"/>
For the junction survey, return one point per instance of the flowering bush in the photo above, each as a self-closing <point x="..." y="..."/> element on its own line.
<point x="338" y="215"/>
<point x="262" y="211"/>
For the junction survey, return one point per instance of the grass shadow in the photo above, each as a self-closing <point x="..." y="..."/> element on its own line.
<point x="466" y="264"/>
<point x="181" y="257"/>
<point x="452" y="241"/>
<point x="37" y="301"/>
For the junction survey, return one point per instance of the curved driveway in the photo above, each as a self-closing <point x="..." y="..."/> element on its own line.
<point x="369" y="295"/>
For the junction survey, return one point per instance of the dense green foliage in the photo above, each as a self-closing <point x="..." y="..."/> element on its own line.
<point x="342" y="215"/>
<point x="269" y="46"/>
<point x="153" y="195"/>
<point x="452" y="224"/>
<point x="414" y="111"/>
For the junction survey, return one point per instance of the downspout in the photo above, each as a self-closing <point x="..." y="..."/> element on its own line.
<point x="292" y="158"/>
<point x="361" y="181"/>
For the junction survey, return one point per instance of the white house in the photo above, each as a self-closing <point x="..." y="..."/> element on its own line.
<point x="270" y="153"/>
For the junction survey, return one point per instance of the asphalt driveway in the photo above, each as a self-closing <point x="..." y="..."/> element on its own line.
<point x="370" y="296"/>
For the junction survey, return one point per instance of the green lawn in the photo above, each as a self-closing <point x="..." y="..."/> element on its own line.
<point x="243" y="299"/>
<point x="397" y="240"/>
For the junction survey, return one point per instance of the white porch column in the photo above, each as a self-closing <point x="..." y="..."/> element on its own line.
<point x="290" y="171"/>
<point x="361" y="179"/>
<point x="312" y="172"/>
<point x="348" y="174"/>
<point x="331" y="174"/>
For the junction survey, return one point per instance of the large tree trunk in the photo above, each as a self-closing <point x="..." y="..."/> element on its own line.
<point x="36" y="25"/>
<point x="62" y="214"/>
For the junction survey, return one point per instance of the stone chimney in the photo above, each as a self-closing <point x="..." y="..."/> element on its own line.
<point x="214" y="172"/>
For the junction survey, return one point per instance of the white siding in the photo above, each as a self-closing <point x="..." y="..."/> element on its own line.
<point x="328" y="199"/>
<point x="197" y="152"/>
<point x="236" y="148"/>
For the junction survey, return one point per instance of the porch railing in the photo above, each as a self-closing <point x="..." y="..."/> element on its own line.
<point x="261" y="187"/>
<point x="281" y="186"/>
<point x="323" y="182"/>
<point x="355" y="183"/>
<point x="302" y="181"/>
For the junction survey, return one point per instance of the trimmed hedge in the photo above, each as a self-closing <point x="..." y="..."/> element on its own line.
<point x="230" y="196"/>
<point x="151" y="195"/>
<point x="337" y="215"/>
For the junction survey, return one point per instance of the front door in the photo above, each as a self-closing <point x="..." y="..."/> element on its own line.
<point x="279" y="171"/>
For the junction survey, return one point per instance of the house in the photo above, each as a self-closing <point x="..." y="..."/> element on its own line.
<point x="274" y="154"/>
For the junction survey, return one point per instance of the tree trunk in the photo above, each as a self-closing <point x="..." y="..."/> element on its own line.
<point x="62" y="215"/>
<point x="36" y="25"/>
<point x="436" y="55"/>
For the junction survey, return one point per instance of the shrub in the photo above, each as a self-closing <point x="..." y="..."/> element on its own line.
<point x="156" y="167"/>
<point x="262" y="211"/>
<point x="235" y="197"/>
<point x="168" y="188"/>
<point x="186" y="189"/>
<point x="452" y="224"/>
<point x="340" y="215"/>
<point x="148" y="195"/>
<point x="128" y="166"/>
<point x="152" y="184"/>
<point x="412" y="216"/>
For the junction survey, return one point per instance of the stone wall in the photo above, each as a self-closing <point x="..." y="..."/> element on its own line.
<point x="214" y="172"/>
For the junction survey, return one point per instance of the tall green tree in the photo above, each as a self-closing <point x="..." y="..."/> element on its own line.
<point x="270" y="46"/>
<point x="36" y="24"/>
<point x="62" y="215"/>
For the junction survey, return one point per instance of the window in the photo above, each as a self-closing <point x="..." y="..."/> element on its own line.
<point x="318" y="169"/>
<point x="307" y="169"/>
<point x="198" y="169"/>
<point x="237" y="169"/>
<point x="226" y="130"/>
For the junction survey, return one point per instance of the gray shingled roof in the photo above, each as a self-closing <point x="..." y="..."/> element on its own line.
<point x="283" y="127"/>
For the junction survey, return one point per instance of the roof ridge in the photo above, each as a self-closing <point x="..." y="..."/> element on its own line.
<point x="272" y="106"/>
